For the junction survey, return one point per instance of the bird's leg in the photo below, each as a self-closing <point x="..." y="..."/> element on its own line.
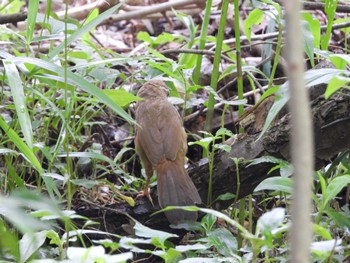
<point x="149" y="173"/>
<point x="146" y="190"/>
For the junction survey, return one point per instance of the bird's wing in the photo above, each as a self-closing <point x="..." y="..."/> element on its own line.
<point x="161" y="134"/>
<point x="171" y="131"/>
<point x="148" y="137"/>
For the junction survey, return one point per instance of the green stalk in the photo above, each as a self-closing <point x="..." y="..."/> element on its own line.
<point x="68" y="98"/>
<point x="240" y="107"/>
<point x="217" y="57"/>
<point x="202" y="41"/>
<point x="277" y="55"/>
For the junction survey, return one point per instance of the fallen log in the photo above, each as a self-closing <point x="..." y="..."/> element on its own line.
<point x="331" y="122"/>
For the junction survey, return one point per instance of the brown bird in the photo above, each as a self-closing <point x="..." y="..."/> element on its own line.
<point x="161" y="143"/>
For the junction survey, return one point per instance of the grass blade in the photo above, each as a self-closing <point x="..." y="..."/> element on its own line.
<point x="19" y="99"/>
<point x="27" y="152"/>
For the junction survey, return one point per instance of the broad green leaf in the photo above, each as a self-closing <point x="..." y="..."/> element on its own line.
<point x="228" y="220"/>
<point x="335" y="84"/>
<point x="271" y="220"/>
<point x="225" y="197"/>
<point x="79" y="54"/>
<point x="340" y="60"/>
<point x="54" y="238"/>
<point x="340" y="218"/>
<point x="223" y="147"/>
<point x="89" y="184"/>
<point x="322" y="231"/>
<point x="335" y="186"/>
<point x="33" y="6"/>
<point x="204" y="143"/>
<point x="163" y="38"/>
<point x="286" y="168"/>
<point x="223" y="241"/>
<point x="255" y="18"/>
<point x="121" y="97"/>
<point x="144" y="36"/>
<point x="84" y="29"/>
<point x="308" y="39"/>
<point x="315" y="28"/>
<point x="19" y="99"/>
<point x="27" y="152"/>
<point x="185" y="248"/>
<point x="282" y="184"/>
<point x="30" y="243"/>
<point x="144" y="231"/>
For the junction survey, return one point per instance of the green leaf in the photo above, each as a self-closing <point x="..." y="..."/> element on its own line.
<point x="121" y="97"/>
<point x="30" y="243"/>
<point x="54" y="238"/>
<point x="78" y="54"/>
<point x="286" y="168"/>
<point x="223" y="241"/>
<point x="315" y="28"/>
<point x="223" y="147"/>
<point x="308" y="39"/>
<point x="272" y="220"/>
<point x="19" y="99"/>
<point x="341" y="219"/>
<point x="323" y="232"/>
<point x="335" y="186"/>
<point x="79" y="81"/>
<point x="282" y="184"/>
<point x="204" y="143"/>
<point x="163" y="38"/>
<point x="223" y="131"/>
<point x="27" y="152"/>
<point x="144" y="36"/>
<point x="255" y="18"/>
<point x="340" y="60"/>
<point x="89" y="184"/>
<point x="33" y="6"/>
<point x="92" y="15"/>
<point x="143" y="231"/>
<point x="225" y="197"/>
<point x="334" y="85"/>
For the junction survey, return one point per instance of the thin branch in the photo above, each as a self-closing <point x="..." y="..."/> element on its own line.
<point x="12" y="18"/>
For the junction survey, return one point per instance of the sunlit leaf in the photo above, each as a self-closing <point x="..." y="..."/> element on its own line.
<point x="254" y="18"/>
<point x="121" y="97"/>
<point x="283" y="184"/>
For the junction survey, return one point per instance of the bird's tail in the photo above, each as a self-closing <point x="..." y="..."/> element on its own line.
<point x="175" y="188"/>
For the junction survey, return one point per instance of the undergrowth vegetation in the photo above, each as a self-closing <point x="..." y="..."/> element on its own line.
<point x="57" y="102"/>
